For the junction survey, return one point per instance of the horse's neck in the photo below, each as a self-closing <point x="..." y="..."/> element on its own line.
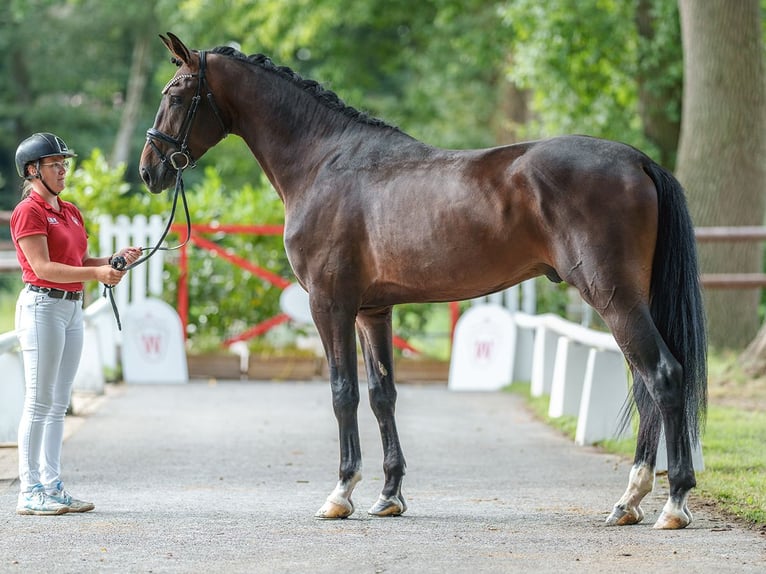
<point x="292" y="140"/>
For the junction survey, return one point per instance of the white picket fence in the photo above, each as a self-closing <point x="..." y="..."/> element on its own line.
<point x="144" y="280"/>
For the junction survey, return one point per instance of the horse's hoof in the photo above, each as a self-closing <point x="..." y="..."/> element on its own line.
<point x="335" y="508"/>
<point x="625" y="516"/>
<point x="670" y="520"/>
<point x="388" y="506"/>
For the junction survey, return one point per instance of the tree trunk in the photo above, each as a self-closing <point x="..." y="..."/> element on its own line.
<point x="513" y="113"/>
<point x="139" y="72"/>
<point x="722" y="150"/>
<point x="659" y="92"/>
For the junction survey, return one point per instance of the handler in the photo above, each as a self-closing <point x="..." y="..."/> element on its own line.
<point x="52" y="248"/>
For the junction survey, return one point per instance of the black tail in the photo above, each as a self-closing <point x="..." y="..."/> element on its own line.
<point x="676" y="299"/>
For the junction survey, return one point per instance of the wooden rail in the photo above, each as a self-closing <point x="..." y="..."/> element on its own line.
<point x="731" y="234"/>
<point x="743" y="233"/>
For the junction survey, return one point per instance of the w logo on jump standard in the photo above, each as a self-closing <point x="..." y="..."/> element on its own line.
<point x="483" y="349"/>
<point x="152" y="344"/>
<point x="152" y="340"/>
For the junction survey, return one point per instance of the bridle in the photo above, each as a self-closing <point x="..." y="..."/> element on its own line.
<point x="181" y="158"/>
<point x="178" y="160"/>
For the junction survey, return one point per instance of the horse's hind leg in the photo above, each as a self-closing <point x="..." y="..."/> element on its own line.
<point x="641" y="479"/>
<point x="374" y="328"/>
<point x="662" y="376"/>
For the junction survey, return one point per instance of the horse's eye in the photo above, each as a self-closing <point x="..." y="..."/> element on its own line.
<point x="176" y="100"/>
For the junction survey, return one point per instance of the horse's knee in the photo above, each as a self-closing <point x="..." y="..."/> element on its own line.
<point x="345" y="398"/>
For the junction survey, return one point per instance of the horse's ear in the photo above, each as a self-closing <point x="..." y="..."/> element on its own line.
<point x="176" y="47"/>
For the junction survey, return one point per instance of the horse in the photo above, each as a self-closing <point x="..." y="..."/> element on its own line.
<point x="375" y="218"/>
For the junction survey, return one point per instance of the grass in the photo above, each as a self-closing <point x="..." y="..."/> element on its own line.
<point x="733" y="445"/>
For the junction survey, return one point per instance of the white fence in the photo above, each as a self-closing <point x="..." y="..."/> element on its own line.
<point x="582" y="371"/>
<point x="144" y="280"/>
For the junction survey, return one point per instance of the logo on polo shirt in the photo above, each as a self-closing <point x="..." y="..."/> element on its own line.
<point x="75" y="220"/>
<point x="53" y="221"/>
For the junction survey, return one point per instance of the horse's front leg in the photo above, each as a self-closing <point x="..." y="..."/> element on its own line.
<point x="374" y="328"/>
<point x="336" y="329"/>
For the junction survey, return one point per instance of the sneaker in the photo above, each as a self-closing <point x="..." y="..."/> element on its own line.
<point x="62" y="497"/>
<point x="38" y="503"/>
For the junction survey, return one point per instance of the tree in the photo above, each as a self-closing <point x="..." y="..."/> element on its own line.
<point x="722" y="151"/>
<point x="134" y="94"/>
<point x="659" y="76"/>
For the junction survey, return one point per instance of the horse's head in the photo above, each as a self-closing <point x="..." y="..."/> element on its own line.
<point x="188" y="122"/>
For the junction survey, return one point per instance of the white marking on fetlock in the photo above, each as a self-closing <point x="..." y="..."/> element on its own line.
<point x="339" y="504"/>
<point x="675" y="515"/>
<point x="628" y="509"/>
<point x="335" y="507"/>
<point x="388" y="506"/>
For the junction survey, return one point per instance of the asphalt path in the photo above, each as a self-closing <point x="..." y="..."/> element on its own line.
<point x="226" y="477"/>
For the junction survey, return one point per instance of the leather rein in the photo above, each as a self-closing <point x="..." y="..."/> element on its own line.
<point x="178" y="160"/>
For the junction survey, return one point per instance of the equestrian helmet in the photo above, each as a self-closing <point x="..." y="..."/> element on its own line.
<point x="38" y="146"/>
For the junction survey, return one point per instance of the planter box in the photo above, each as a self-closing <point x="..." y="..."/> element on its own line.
<point x="284" y="368"/>
<point x="408" y="371"/>
<point x="421" y="370"/>
<point x="227" y="366"/>
<point x="213" y="366"/>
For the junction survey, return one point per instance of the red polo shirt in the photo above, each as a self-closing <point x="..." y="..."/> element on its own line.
<point x="67" y="238"/>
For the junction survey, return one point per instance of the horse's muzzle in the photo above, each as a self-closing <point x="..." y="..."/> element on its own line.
<point x="154" y="178"/>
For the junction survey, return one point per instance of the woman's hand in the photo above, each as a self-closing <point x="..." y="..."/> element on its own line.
<point x="108" y="275"/>
<point x="130" y="254"/>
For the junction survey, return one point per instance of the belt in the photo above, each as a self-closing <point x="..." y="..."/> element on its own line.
<point x="56" y="293"/>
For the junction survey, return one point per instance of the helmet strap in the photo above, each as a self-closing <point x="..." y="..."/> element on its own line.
<point x="39" y="175"/>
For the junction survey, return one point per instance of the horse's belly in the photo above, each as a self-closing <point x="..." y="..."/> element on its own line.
<point x="420" y="281"/>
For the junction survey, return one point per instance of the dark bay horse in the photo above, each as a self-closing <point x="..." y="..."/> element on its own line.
<point x="374" y="217"/>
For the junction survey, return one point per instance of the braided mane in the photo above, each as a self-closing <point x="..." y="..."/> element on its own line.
<point x="326" y="97"/>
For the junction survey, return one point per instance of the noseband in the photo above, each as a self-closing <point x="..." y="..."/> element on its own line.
<point x="181" y="158"/>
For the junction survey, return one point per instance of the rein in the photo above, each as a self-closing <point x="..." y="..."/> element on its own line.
<point x="178" y="160"/>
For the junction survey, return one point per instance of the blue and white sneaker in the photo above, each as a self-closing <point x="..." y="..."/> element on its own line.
<point x="39" y="503"/>
<point x="61" y="496"/>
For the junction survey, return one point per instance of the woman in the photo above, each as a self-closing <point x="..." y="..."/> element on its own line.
<point x="52" y="248"/>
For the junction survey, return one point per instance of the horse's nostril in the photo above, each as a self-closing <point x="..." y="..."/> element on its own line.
<point x="145" y="176"/>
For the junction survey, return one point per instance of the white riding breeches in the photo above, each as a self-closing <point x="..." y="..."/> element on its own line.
<point x="50" y="332"/>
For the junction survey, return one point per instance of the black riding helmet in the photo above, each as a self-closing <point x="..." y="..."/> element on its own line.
<point x="38" y="146"/>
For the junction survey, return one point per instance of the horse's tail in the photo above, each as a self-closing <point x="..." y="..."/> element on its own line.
<point x="676" y="300"/>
